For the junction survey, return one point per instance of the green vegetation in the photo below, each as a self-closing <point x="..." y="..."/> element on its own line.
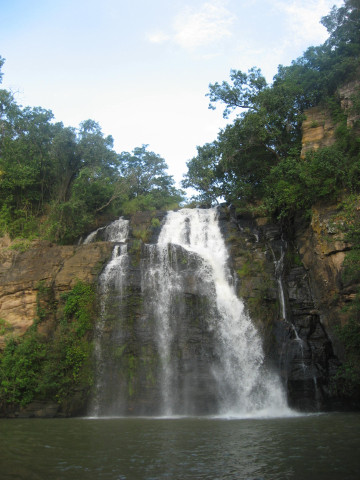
<point x="348" y="376"/>
<point x="21" y="245"/>
<point x="348" y="220"/>
<point x="55" y="180"/>
<point x="255" y="161"/>
<point x="39" y="366"/>
<point x="4" y="326"/>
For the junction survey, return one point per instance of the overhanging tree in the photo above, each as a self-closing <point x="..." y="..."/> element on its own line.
<point x="150" y="186"/>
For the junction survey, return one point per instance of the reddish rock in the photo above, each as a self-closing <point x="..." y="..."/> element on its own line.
<point x="44" y="262"/>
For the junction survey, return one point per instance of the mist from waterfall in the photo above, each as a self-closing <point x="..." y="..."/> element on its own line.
<point x="111" y="288"/>
<point x="244" y="385"/>
<point x="186" y="346"/>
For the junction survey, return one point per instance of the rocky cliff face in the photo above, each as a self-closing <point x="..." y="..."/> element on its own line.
<point x="318" y="130"/>
<point x="318" y="127"/>
<point x="292" y="288"/>
<point x="45" y="264"/>
<point x="53" y="347"/>
<point x="279" y="279"/>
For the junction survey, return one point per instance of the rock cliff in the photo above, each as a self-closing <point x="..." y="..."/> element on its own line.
<point x="287" y="285"/>
<point x="291" y="281"/>
<point x="319" y="127"/>
<point x="47" y="264"/>
<point x="291" y="286"/>
<point x="318" y="130"/>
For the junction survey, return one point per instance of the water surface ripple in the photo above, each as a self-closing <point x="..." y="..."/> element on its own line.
<point x="307" y="447"/>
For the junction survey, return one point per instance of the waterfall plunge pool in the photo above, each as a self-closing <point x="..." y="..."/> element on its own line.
<point x="320" y="447"/>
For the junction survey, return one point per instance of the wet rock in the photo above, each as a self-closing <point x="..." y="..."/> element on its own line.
<point x="39" y="409"/>
<point x="298" y="345"/>
<point x="296" y="326"/>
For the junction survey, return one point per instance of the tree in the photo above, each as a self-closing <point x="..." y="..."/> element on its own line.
<point x="25" y="165"/>
<point x="147" y="178"/>
<point x="267" y="127"/>
<point x="66" y="173"/>
<point x="95" y="149"/>
<point x="88" y="180"/>
<point x="241" y="93"/>
<point x="9" y="111"/>
<point x="2" y="61"/>
<point x="202" y="174"/>
<point x="68" y="176"/>
<point x="86" y="148"/>
<point x="144" y="170"/>
<point x="322" y="69"/>
<point x="343" y="25"/>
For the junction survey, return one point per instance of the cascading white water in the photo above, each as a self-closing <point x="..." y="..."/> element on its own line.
<point x="179" y="343"/>
<point x="164" y="282"/>
<point x="113" y="277"/>
<point x="116" y="231"/>
<point x="244" y="385"/>
<point x="279" y="264"/>
<point x="279" y="267"/>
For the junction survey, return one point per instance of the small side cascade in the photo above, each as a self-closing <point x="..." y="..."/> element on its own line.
<point x="91" y="237"/>
<point x="116" y="231"/>
<point x="305" y="353"/>
<point x="113" y="278"/>
<point x="318" y="395"/>
<point x="279" y="269"/>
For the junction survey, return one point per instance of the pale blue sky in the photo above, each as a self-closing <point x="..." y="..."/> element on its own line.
<point x="142" y="68"/>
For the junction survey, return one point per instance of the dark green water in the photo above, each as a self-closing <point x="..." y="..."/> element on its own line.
<point x="309" y="447"/>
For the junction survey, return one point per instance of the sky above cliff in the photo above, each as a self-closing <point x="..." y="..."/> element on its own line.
<point x="142" y="68"/>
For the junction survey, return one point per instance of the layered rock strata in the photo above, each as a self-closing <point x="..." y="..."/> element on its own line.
<point x="21" y="274"/>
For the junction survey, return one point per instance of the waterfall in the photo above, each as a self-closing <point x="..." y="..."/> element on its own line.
<point x="279" y="267"/>
<point x="113" y="278"/>
<point x="244" y="387"/>
<point x="173" y="338"/>
<point x="116" y="231"/>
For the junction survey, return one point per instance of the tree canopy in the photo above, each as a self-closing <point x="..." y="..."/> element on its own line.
<point x="148" y="181"/>
<point x="256" y="164"/>
<point x="55" y="180"/>
<point x="256" y="158"/>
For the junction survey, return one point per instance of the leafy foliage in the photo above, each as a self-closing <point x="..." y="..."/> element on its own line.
<point x="243" y="93"/>
<point x="202" y="174"/>
<point x="255" y="161"/>
<point x="149" y="185"/>
<point x="55" y="180"/>
<point x="256" y="158"/>
<point x="294" y="186"/>
<point x="38" y="367"/>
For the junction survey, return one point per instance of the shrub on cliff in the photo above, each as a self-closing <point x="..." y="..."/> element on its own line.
<point x="254" y="158"/>
<point x="51" y="366"/>
<point x="55" y="180"/>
